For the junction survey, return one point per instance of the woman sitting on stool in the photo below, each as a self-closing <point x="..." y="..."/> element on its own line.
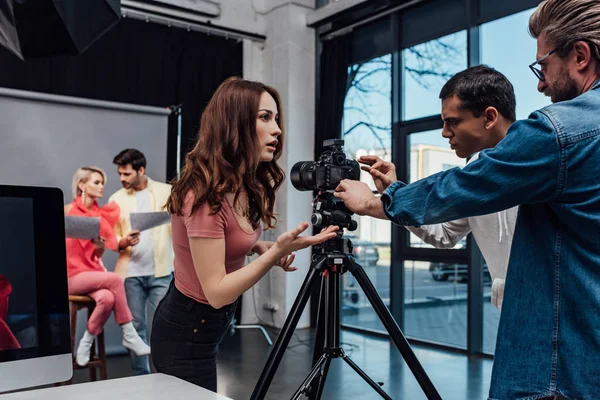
<point x="86" y="272"/>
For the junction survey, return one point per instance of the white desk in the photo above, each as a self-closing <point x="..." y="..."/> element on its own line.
<point x="144" y="387"/>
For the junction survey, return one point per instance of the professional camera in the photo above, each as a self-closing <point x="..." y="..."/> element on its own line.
<point x="328" y="171"/>
<point x="325" y="174"/>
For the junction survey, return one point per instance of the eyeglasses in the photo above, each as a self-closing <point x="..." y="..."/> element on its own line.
<point x="537" y="71"/>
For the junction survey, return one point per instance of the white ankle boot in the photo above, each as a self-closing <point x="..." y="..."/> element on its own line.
<point x="82" y="357"/>
<point x="133" y="341"/>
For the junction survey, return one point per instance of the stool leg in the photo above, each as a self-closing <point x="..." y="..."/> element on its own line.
<point x="92" y="370"/>
<point x="73" y="324"/>
<point x="102" y="356"/>
<point x="73" y="308"/>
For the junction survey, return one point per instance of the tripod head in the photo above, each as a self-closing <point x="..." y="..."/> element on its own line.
<point x="329" y="210"/>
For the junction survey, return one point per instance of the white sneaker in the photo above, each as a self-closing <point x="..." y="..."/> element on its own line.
<point x="82" y="356"/>
<point x="133" y="341"/>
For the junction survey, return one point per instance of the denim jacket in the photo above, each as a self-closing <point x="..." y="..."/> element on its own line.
<point x="549" y="334"/>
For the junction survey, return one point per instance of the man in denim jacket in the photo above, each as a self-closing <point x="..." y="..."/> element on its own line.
<point x="549" y="335"/>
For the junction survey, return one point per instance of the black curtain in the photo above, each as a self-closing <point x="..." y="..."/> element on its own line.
<point x="333" y="76"/>
<point x="141" y="63"/>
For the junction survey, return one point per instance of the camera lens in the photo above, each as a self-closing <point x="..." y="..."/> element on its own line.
<point x="352" y="225"/>
<point x="302" y="176"/>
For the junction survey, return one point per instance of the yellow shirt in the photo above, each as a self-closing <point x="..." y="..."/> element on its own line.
<point x="161" y="235"/>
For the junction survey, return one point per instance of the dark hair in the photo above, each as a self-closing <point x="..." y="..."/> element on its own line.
<point x="130" y="156"/>
<point x="481" y="87"/>
<point x="226" y="159"/>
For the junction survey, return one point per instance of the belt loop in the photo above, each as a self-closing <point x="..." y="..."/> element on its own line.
<point x="190" y="305"/>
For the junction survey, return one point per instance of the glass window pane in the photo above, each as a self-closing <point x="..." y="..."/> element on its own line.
<point x="523" y="48"/>
<point x="427" y="67"/>
<point x="435" y="302"/>
<point x="495" y="35"/>
<point x="430" y="153"/>
<point x="367" y="130"/>
<point x="367" y="119"/>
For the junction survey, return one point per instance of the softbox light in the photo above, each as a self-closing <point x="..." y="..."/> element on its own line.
<point x="41" y="28"/>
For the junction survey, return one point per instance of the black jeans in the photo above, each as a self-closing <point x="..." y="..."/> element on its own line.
<point x="185" y="338"/>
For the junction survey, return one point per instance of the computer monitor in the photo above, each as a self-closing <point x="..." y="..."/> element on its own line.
<point x="35" y="345"/>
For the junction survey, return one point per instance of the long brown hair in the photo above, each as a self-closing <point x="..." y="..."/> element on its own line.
<point x="226" y="157"/>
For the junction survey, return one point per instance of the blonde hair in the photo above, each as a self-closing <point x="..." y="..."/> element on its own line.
<point x="565" y="22"/>
<point x="82" y="175"/>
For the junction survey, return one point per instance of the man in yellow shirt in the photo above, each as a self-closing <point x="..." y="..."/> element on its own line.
<point x="146" y="258"/>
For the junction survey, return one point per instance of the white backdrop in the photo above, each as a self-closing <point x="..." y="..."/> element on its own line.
<point x="45" y="138"/>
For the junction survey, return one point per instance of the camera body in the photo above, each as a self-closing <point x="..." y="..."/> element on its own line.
<point x="325" y="175"/>
<point x="328" y="171"/>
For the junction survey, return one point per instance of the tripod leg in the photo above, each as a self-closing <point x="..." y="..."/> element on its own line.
<point x="320" y="330"/>
<point x="262" y="386"/>
<point x="390" y="325"/>
<point x="322" y="378"/>
<point x="363" y="375"/>
<point x="319" y="371"/>
<point x="320" y="333"/>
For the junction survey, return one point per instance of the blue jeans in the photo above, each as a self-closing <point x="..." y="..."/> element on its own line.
<point x="144" y="293"/>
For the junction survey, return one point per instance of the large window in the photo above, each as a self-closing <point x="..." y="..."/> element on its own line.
<point x="367" y="129"/>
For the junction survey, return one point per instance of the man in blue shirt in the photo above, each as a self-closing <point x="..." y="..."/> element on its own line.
<point x="549" y="335"/>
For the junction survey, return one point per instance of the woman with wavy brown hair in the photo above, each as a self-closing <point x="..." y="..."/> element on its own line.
<point x="223" y="197"/>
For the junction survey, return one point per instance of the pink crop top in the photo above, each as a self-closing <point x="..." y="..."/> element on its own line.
<point x="223" y="224"/>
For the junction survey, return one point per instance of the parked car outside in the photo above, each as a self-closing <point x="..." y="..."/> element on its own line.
<point x="443" y="271"/>
<point x="365" y="252"/>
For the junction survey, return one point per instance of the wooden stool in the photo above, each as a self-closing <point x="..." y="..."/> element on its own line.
<point x="97" y="361"/>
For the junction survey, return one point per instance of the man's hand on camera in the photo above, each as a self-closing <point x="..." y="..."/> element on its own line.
<point x="359" y="198"/>
<point x="383" y="172"/>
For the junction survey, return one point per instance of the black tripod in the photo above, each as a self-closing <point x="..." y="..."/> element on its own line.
<point x="331" y="260"/>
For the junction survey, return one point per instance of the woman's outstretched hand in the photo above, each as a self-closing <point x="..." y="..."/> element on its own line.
<point x="286" y="263"/>
<point x="291" y="241"/>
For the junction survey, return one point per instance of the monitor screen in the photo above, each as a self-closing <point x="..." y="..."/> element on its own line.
<point x="18" y="300"/>
<point x="34" y="318"/>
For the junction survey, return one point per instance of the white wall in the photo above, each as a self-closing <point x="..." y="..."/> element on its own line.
<point x="243" y="15"/>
